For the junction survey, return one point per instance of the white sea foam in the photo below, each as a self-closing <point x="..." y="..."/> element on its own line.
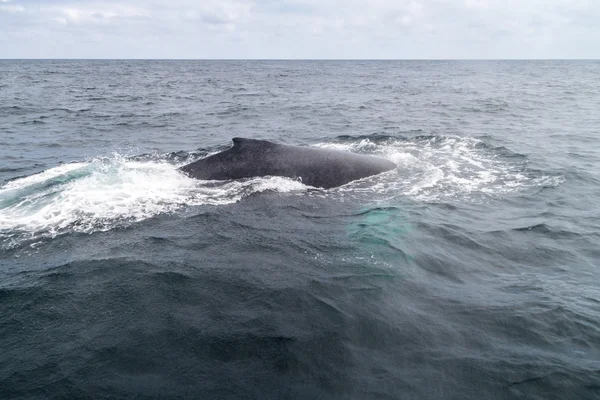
<point x="433" y="169"/>
<point x="101" y="194"/>
<point x="43" y="176"/>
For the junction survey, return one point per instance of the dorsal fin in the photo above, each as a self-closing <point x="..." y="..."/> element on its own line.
<point x="239" y="143"/>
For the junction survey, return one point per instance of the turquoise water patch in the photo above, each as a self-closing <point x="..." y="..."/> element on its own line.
<point x="380" y="233"/>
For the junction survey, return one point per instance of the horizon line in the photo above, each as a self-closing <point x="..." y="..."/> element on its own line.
<point x="294" y="59"/>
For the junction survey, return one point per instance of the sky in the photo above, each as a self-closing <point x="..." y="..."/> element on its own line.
<point x="300" y="29"/>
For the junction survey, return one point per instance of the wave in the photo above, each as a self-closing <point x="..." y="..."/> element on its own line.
<point x="105" y="193"/>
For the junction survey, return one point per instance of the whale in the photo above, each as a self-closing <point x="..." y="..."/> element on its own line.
<point x="316" y="167"/>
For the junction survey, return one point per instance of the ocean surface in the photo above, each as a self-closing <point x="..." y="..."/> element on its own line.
<point x="472" y="271"/>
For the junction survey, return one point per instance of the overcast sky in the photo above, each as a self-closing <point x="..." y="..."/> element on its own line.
<point x="330" y="29"/>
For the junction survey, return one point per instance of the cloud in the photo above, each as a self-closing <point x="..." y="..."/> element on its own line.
<point x="11" y="8"/>
<point x="96" y="14"/>
<point x="300" y="29"/>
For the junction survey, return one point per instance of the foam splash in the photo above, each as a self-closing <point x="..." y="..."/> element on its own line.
<point x="448" y="168"/>
<point x="105" y="193"/>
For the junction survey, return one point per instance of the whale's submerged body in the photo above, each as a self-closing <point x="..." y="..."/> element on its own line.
<point x="316" y="167"/>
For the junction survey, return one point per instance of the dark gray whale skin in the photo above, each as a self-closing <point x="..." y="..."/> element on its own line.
<point x="322" y="168"/>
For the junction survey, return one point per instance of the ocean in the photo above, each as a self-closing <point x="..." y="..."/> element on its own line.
<point x="471" y="271"/>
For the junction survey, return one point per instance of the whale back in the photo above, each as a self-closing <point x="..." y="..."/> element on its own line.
<point x="313" y="166"/>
